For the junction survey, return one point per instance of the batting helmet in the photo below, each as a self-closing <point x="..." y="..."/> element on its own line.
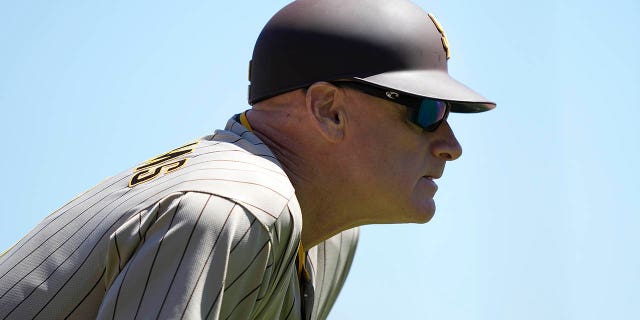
<point x="388" y="43"/>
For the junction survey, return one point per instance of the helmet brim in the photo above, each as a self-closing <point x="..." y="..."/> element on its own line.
<point x="435" y="84"/>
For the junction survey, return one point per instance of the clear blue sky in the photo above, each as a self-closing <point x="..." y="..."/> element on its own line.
<point x="539" y="219"/>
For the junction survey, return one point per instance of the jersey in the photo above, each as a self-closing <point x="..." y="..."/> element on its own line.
<point x="209" y="230"/>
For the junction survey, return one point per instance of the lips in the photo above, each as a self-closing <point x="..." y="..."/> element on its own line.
<point x="431" y="182"/>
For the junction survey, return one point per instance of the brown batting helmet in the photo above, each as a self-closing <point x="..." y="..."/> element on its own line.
<point x="389" y="43"/>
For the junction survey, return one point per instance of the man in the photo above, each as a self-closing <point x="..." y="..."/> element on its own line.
<point x="259" y="221"/>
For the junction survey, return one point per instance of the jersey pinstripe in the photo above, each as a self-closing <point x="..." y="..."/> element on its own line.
<point x="206" y="231"/>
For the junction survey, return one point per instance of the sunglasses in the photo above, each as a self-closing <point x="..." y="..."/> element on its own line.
<point x="427" y="113"/>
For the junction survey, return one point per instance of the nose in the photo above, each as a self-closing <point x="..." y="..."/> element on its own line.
<point x="446" y="146"/>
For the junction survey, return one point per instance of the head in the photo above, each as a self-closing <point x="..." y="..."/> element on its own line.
<point x="375" y="150"/>
<point x="387" y="160"/>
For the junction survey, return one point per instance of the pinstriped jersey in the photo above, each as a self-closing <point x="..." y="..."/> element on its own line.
<point x="209" y="230"/>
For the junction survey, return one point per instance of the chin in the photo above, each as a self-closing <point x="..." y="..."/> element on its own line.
<point x="425" y="218"/>
<point x="424" y="212"/>
<point x="414" y="210"/>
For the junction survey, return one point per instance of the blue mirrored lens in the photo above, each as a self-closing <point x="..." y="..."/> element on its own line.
<point x="431" y="112"/>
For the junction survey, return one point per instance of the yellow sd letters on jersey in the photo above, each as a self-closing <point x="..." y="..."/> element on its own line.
<point x="161" y="165"/>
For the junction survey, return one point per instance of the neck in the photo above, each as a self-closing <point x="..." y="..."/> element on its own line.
<point x="316" y="188"/>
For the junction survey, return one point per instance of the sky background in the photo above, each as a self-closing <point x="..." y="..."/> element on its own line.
<point x="539" y="219"/>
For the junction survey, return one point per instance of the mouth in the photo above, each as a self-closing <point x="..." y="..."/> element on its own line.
<point x="429" y="183"/>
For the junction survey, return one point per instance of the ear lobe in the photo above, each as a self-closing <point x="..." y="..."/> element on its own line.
<point x="323" y="101"/>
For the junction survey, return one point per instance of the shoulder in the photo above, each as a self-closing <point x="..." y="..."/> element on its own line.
<point x="205" y="219"/>
<point x="246" y="172"/>
<point x="245" y="236"/>
<point x="215" y="212"/>
<point x="227" y="164"/>
<point x="225" y="168"/>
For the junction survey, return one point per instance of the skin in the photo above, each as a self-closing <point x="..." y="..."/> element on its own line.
<point x="352" y="158"/>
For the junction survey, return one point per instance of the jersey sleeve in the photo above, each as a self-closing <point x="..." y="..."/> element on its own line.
<point x="190" y="256"/>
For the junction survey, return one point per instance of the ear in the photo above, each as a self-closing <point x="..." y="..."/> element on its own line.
<point x="323" y="102"/>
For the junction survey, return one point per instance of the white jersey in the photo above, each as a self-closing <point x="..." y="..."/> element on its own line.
<point x="209" y="230"/>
